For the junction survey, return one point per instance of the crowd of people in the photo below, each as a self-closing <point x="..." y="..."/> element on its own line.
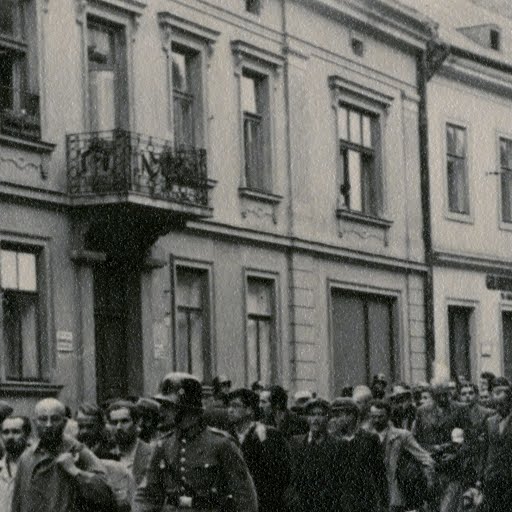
<point x="444" y="446"/>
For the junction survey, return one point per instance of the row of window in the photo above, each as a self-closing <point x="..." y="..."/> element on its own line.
<point x="458" y="178"/>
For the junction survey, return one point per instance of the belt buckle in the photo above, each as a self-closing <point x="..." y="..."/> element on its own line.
<point x="185" y="501"/>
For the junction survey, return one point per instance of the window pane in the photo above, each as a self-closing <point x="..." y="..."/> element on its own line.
<point x="506" y="153"/>
<point x="179" y="72"/>
<point x="460" y="142"/>
<point x="182" y="341"/>
<point x="252" y="351"/>
<point x="506" y="195"/>
<point x="265" y="351"/>
<point x="28" y="320"/>
<point x="354" y="177"/>
<point x="367" y="131"/>
<point x="8" y="17"/>
<point x="189" y="288"/>
<point x="27" y="272"/>
<point x="457" y="187"/>
<point x="342" y="123"/>
<point x="196" y="341"/>
<point x="249" y="103"/>
<point x="254" y="169"/>
<point x="371" y="191"/>
<point x="355" y="127"/>
<point x="12" y="335"/>
<point x="450" y="140"/>
<point x="259" y="300"/>
<point x="183" y="121"/>
<point x="9" y="270"/>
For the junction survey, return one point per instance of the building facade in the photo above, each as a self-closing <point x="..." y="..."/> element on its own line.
<point x="220" y="187"/>
<point x="469" y="111"/>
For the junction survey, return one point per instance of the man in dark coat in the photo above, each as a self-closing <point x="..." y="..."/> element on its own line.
<point x="287" y="422"/>
<point x="497" y="475"/>
<point x="316" y="480"/>
<point x="264" y="448"/>
<point x="363" y="472"/>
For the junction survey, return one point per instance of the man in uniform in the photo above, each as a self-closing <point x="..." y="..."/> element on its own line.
<point x="193" y="467"/>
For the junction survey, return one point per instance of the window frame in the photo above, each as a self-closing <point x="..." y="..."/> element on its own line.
<point x="46" y="349"/>
<point x="275" y="348"/>
<point x="206" y="268"/>
<point x="266" y="67"/>
<point x="505" y="225"/>
<point x="448" y="214"/>
<point x="198" y="41"/>
<point x="376" y="105"/>
<point x="458" y="158"/>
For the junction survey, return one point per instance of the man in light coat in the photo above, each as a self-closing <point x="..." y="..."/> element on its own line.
<point x="396" y="441"/>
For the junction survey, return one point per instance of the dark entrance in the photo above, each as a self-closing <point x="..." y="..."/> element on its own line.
<point x="459" y="325"/>
<point x="363" y="327"/>
<point x="117" y="331"/>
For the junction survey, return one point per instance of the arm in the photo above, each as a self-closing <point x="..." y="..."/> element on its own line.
<point x="420" y="454"/>
<point x="238" y="481"/>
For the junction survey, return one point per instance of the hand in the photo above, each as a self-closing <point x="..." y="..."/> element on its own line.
<point x="67" y="461"/>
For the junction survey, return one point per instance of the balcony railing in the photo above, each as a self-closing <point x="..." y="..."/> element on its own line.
<point x="19" y="113"/>
<point x="121" y="162"/>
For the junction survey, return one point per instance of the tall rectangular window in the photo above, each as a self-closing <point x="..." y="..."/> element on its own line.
<point x="459" y="328"/>
<point x="261" y="344"/>
<point x="20" y="307"/>
<point x="456" y="168"/>
<point x="19" y="103"/>
<point x="183" y="97"/>
<point x="506" y="179"/>
<point x="192" y="349"/>
<point x="359" y="135"/>
<point x="254" y="91"/>
<point x="106" y="53"/>
<point x="506" y="319"/>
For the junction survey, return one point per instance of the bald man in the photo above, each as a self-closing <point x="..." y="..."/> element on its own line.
<point x="59" y="474"/>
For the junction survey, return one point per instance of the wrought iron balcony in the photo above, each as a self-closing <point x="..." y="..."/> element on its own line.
<point x="19" y="114"/>
<point x="121" y="163"/>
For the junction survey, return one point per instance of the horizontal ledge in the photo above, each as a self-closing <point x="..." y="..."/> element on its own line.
<point x="363" y="219"/>
<point x="29" y="388"/>
<point x="34" y="145"/>
<point x="260" y="195"/>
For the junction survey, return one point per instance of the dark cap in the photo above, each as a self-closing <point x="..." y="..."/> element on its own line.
<point x="182" y="390"/>
<point x="148" y="405"/>
<point x="317" y="402"/>
<point x="380" y="377"/>
<point x="343" y="403"/>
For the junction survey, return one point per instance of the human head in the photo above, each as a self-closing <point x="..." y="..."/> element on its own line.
<point x="380" y="412"/>
<point x="148" y="411"/>
<point x="257" y="386"/>
<point x="400" y="397"/>
<point x="301" y="398"/>
<point x="265" y="405"/>
<point x="426" y="397"/>
<point x="486" y="381"/>
<point x="379" y="385"/>
<point x="317" y="413"/>
<point x="345" y="414"/>
<point x="243" y="406"/>
<point x="181" y="399"/>
<point x="453" y="388"/>
<point x="468" y="393"/>
<point x="50" y="420"/>
<point x="221" y="385"/>
<point x="278" y="398"/>
<point x="441" y="393"/>
<point x="91" y="424"/>
<point x="15" y="433"/>
<point x="5" y="410"/>
<point x="123" y="417"/>
<point x="502" y="395"/>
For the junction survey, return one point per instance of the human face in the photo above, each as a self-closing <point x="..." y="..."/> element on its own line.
<point x="238" y="412"/>
<point x="452" y="388"/>
<point x="265" y="402"/>
<point x="317" y="420"/>
<point x="168" y="415"/>
<point x="425" y="398"/>
<point x="123" y="427"/>
<point x="501" y="398"/>
<point x="468" y="395"/>
<point x="378" y="418"/>
<point x="15" y="440"/>
<point x="484" y="385"/>
<point x="344" y="421"/>
<point x="90" y="430"/>
<point x="50" y="422"/>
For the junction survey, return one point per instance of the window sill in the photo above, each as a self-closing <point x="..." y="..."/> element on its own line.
<point x="464" y="218"/>
<point x="259" y="195"/>
<point x="33" y="145"/>
<point x="29" y="388"/>
<point x="363" y="219"/>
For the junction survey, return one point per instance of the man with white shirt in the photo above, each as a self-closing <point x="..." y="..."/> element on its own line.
<point x="133" y="453"/>
<point x="15" y="433"/>
<point x="265" y="450"/>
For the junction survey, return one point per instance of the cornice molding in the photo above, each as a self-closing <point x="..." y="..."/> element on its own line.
<point x="133" y="7"/>
<point x="246" y="51"/>
<point x="339" y="84"/>
<point x="472" y="262"/>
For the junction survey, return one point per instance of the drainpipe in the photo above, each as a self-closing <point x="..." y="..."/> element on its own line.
<point x="429" y="61"/>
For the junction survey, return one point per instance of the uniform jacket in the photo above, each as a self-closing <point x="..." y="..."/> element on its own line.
<point x="434" y="425"/>
<point x="395" y="442"/>
<point x="200" y="464"/>
<point x="268" y="458"/>
<point x="497" y="474"/>
<point x="477" y="416"/>
<point x="41" y="486"/>
<point x="363" y="473"/>
<point x="316" y="474"/>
